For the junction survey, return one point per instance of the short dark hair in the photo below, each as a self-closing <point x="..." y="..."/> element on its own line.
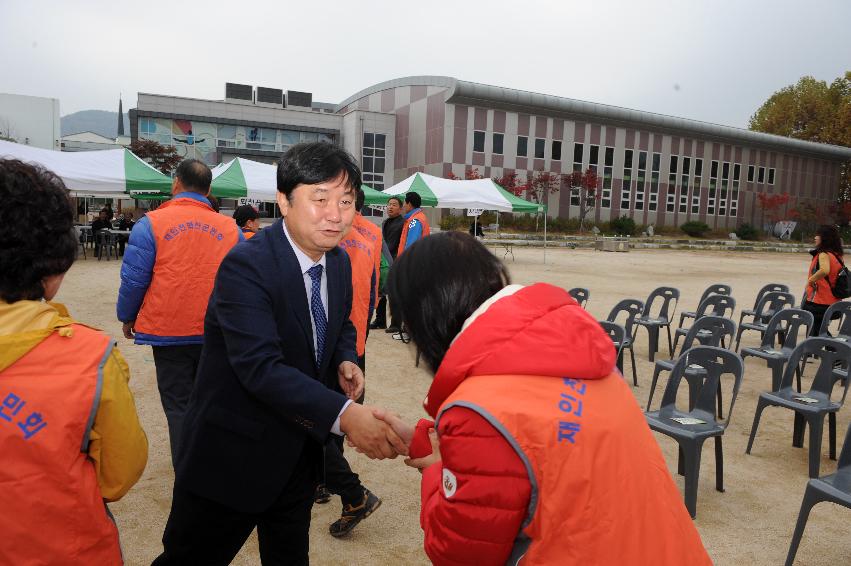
<point x="413" y="198"/>
<point x="195" y="176"/>
<point x="360" y="197"/>
<point x="831" y="241"/>
<point x="244" y="213"/>
<point x="397" y="199"/>
<point x="314" y="163"/>
<point x="438" y="283"/>
<point x="37" y="236"/>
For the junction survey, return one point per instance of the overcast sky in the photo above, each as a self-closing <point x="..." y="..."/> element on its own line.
<point x="714" y="61"/>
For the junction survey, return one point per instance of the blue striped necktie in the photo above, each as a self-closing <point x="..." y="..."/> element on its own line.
<point x="317" y="310"/>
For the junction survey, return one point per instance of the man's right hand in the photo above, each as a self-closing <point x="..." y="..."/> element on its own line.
<point x="370" y="435"/>
<point x="129" y="329"/>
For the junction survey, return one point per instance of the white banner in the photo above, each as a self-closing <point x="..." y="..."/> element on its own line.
<point x="255" y="202"/>
<point x="475" y="211"/>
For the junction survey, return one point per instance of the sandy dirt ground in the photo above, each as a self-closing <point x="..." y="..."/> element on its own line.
<point x="751" y="523"/>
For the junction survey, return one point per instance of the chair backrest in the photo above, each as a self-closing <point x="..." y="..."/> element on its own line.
<point x="840" y="310"/>
<point x="827" y="353"/>
<point x="632" y="308"/>
<point x="616" y="332"/>
<point x="788" y="324"/>
<point x="771" y="287"/>
<point x="665" y="295"/>
<point x="716" y="305"/>
<point x="580" y="295"/>
<point x="716" y="363"/>
<point x="711" y="330"/>
<point x="772" y="302"/>
<point x="716" y="289"/>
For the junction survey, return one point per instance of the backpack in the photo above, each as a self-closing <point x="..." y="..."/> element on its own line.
<point x="841" y="288"/>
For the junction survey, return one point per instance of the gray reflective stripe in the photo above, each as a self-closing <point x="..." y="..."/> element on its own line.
<point x="533" y="499"/>
<point x="96" y="401"/>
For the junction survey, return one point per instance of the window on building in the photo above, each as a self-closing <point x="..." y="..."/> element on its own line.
<point x="148" y="126"/>
<point x="640" y="180"/>
<point x="771" y="176"/>
<point x="734" y="190"/>
<point x="653" y="203"/>
<point x="291" y="137"/>
<point x="373" y="160"/>
<point x="725" y="185"/>
<point x="608" y="167"/>
<point x="594" y="156"/>
<point x="713" y="188"/>
<point x="761" y="177"/>
<point x="478" y="141"/>
<point x="750" y="173"/>
<point x="540" y="148"/>
<point x="497" y="143"/>
<point x="670" y="201"/>
<point x="556" y="151"/>
<point x="684" y="185"/>
<point x="695" y="189"/>
<point x="578" y="150"/>
<point x="225" y="135"/>
<point x="627" y="179"/>
<point x="522" y="146"/>
<point x="261" y="138"/>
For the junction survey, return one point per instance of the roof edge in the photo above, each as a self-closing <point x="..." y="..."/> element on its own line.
<point x="419" y="80"/>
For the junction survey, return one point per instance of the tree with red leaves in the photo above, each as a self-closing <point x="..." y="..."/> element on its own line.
<point x="471" y="174"/>
<point x="588" y="186"/>
<point x="509" y="182"/>
<point x="164" y="158"/>
<point x="809" y="215"/>
<point x="771" y="205"/>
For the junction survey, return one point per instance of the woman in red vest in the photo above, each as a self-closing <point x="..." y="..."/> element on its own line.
<point x="70" y="438"/>
<point x="824" y="267"/>
<point x="539" y="453"/>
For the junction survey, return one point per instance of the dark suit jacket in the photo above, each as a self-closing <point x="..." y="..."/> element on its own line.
<point x="259" y="400"/>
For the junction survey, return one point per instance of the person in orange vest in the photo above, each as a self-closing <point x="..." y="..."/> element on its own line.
<point x="416" y="224"/>
<point x="248" y="220"/>
<point x="167" y="276"/>
<point x="539" y="453"/>
<point x="363" y="245"/>
<point x="70" y="437"/>
<point x="824" y="268"/>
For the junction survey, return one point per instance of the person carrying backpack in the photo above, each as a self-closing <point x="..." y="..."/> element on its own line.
<point x="823" y="274"/>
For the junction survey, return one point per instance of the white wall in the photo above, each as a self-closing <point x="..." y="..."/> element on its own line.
<point x="31" y="120"/>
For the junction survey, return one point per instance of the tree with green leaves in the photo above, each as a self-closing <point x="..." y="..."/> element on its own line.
<point x="814" y="111"/>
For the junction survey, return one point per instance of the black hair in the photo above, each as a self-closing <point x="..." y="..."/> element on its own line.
<point x="195" y="176"/>
<point x="831" y="242"/>
<point x="360" y="197"/>
<point x="244" y="213"/>
<point x="37" y="236"/>
<point x="314" y="163"/>
<point x="414" y="199"/>
<point x="397" y="199"/>
<point x="438" y="283"/>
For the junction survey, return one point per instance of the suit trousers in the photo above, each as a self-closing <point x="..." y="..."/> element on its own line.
<point x="201" y="531"/>
<point x="176" y="367"/>
<point x="339" y="477"/>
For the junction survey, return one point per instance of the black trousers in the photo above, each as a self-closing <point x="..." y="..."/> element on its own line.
<point x="201" y="531"/>
<point x="818" y="312"/>
<point x="381" y="313"/>
<point x="176" y="368"/>
<point x="339" y="477"/>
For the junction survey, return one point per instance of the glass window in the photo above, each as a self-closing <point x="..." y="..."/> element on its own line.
<point x="686" y="165"/>
<point x="556" y="151"/>
<point x="610" y="157"/>
<point x="327" y="138"/>
<point x="713" y="172"/>
<point x="771" y="176"/>
<point x="147" y="125"/>
<point x="368" y="140"/>
<point x="698" y="167"/>
<point x="380" y="140"/>
<point x="642" y="160"/>
<point x="750" y="173"/>
<point x="478" y="141"/>
<point x="289" y="137"/>
<point x="627" y="159"/>
<point x="725" y="171"/>
<point x="737" y="171"/>
<point x="522" y="146"/>
<point x="594" y="157"/>
<point x="309" y="137"/>
<point x="761" y="178"/>
<point x="657" y="161"/>
<point x="578" y="148"/>
<point x="673" y="164"/>
<point x="497" y="143"/>
<point x="540" y="148"/>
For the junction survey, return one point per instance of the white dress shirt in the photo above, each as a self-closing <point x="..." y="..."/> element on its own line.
<point x="305" y="264"/>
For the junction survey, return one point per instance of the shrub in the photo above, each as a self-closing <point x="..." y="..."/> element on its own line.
<point x="747" y="232"/>
<point x="623" y="226"/>
<point x="695" y="229"/>
<point x="455" y="222"/>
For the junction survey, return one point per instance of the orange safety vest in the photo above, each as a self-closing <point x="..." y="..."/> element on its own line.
<point x="823" y="294"/>
<point x="601" y="491"/>
<point x="53" y="510"/>
<point x="191" y="242"/>
<point x="363" y="245"/>
<point x="248" y="234"/>
<point x="418" y="215"/>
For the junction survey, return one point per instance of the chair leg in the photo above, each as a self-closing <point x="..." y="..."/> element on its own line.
<point x="670" y="344"/>
<point x="653" y="346"/>
<point x="719" y="464"/>
<point x="798" y="430"/>
<point x="738" y="338"/>
<point x="656" y="371"/>
<point x="691" y="457"/>
<point x="816" y="431"/>
<point x="634" y="371"/>
<point x="620" y="361"/>
<point x="811" y="497"/>
<point x="777" y="376"/>
<point x="720" y="402"/>
<point x="831" y="434"/>
<point x="760" y="406"/>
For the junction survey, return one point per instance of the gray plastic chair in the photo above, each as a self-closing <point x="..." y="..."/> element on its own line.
<point x="713" y="305"/>
<point x="617" y="333"/>
<point x="783" y="328"/>
<point x="716" y="289"/>
<point x="81" y="239"/>
<point x="769" y="304"/>
<point x="835" y="488"/>
<point x="580" y="295"/>
<point x="810" y="407"/>
<point x="706" y="331"/>
<point x="716" y="363"/>
<point x="662" y="318"/>
<point x="840" y="310"/>
<point x="771" y="287"/>
<point x="631" y="309"/>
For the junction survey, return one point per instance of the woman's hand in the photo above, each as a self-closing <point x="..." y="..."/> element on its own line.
<point x="433" y="458"/>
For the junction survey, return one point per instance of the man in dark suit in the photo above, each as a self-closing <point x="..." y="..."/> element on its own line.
<point x="279" y="354"/>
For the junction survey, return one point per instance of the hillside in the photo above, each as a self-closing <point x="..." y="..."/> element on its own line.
<point x="98" y="121"/>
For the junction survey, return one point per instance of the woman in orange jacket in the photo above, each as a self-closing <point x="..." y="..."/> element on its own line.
<point x="821" y="276"/>
<point x="69" y="433"/>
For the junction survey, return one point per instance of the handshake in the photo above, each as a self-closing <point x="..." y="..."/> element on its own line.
<point x="381" y="434"/>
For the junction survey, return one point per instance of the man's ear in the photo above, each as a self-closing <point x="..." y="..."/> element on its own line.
<point x="283" y="203"/>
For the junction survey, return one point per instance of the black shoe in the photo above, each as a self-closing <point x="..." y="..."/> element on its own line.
<point x="377" y="325"/>
<point x="352" y="515"/>
<point x="322" y="494"/>
<point x="392" y="330"/>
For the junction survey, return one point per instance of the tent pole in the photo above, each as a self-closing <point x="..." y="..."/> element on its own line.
<point x="545" y="236"/>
